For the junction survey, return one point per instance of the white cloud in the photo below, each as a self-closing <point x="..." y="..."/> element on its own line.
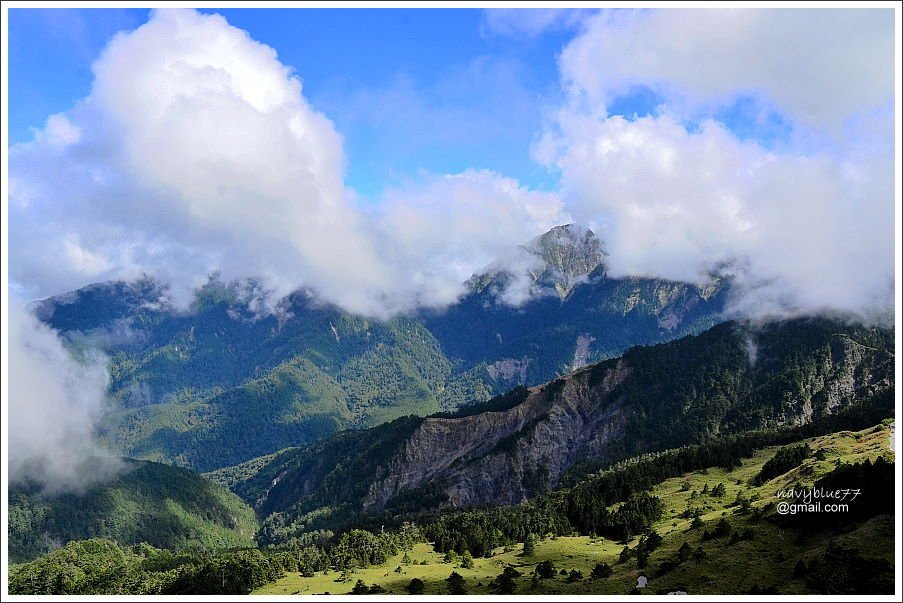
<point x="54" y="402"/>
<point x="195" y="152"/>
<point x="59" y="132"/>
<point x="458" y="224"/>
<point x="819" y="65"/>
<point x="530" y="21"/>
<point x="805" y="228"/>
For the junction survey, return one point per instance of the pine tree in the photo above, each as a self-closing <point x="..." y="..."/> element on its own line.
<point x="415" y="586"/>
<point x="360" y="588"/>
<point x="545" y="570"/>
<point x="601" y="571"/>
<point x="505" y="584"/>
<point x="455" y="584"/>
<point x="530" y="545"/>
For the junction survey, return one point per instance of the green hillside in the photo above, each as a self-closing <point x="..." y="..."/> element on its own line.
<point x="224" y="390"/>
<point x="167" y="507"/>
<point x="711" y="530"/>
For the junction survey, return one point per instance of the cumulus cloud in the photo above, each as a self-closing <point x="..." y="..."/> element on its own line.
<point x="801" y="227"/>
<point x="426" y="219"/>
<point x="55" y="398"/>
<point x="820" y="66"/>
<point x="196" y="152"/>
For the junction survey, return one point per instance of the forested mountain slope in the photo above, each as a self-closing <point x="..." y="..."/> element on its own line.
<point x="227" y="379"/>
<point x="685" y="519"/>
<point x="168" y="507"/>
<point x="514" y="447"/>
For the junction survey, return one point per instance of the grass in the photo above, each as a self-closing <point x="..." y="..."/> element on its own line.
<point x="766" y="559"/>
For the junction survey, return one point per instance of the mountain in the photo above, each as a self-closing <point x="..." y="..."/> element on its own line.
<point x="574" y="314"/>
<point x="225" y="380"/>
<point x="554" y="262"/>
<point x="568" y="254"/>
<point x="509" y="449"/>
<point x="164" y="506"/>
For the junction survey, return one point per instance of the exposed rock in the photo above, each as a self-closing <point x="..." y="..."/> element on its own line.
<point x="582" y="352"/>
<point x="569" y="254"/>
<point x="509" y="370"/>
<point x="485" y="456"/>
<point x="506" y="457"/>
<point x="552" y="263"/>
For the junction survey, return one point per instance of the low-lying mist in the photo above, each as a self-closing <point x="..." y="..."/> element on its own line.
<point x="56" y="396"/>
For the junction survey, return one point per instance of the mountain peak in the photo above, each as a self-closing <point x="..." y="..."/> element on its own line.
<point x="570" y="253"/>
<point x="552" y="263"/>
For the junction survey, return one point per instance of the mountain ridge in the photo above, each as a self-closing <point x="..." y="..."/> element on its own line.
<point x="678" y="393"/>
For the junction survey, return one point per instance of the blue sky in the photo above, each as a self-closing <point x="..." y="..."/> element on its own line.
<point x="451" y="92"/>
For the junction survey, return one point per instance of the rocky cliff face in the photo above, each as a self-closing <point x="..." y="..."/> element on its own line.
<point x="849" y="370"/>
<point x="505" y="456"/>
<point x="568" y="255"/>
<point x="550" y="307"/>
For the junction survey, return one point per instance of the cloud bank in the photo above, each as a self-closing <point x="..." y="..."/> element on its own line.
<point x="804" y="225"/>
<point x="197" y="152"/>
<point x="818" y="66"/>
<point x="54" y="401"/>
